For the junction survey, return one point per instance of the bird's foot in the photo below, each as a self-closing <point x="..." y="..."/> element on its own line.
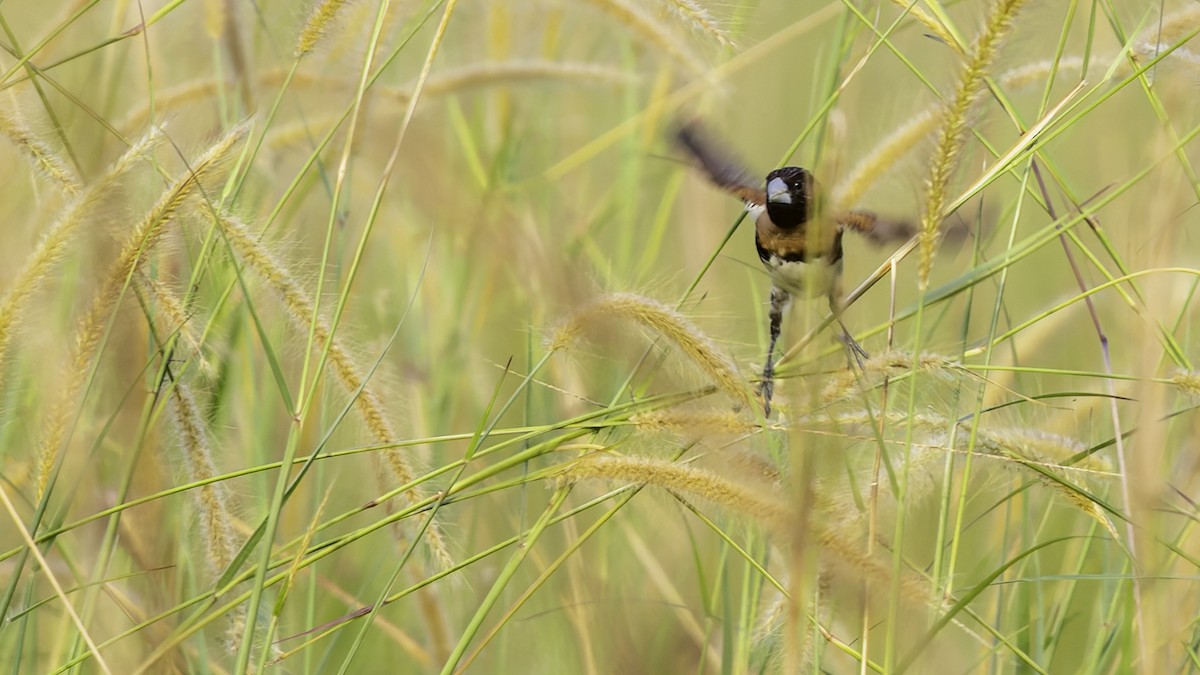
<point x="766" y="390"/>
<point x="854" y="351"/>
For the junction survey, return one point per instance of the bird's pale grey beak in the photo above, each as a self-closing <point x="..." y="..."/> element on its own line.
<point x="777" y="191"/>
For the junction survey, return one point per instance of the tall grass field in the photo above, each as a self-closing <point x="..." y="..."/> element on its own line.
<point x="401" y="336"/>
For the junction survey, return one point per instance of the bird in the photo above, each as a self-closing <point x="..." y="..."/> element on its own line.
<point x="800" y="246"/>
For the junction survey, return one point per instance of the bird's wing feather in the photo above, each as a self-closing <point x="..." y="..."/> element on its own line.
<point x="722" y="168"/>
<point x="876" y="229"/>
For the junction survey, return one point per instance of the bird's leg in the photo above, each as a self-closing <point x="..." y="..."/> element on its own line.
<point x="779" y="301"/>
<point x="853" y="349"/>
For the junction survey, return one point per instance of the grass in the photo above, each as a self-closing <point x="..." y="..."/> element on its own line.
<point x="396" y="337"/>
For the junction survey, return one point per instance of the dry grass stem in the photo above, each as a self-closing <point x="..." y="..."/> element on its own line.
<point x="172" y="98"/>
<point x="206" y="89"/>
<point x="517" y="70"/>
<point x="455" y="80"/>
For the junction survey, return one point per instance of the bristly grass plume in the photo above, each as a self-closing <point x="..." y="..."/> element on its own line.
<point x="954" y="126"/>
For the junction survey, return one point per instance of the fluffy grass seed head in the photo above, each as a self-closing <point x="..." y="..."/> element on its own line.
<point x="954" y="126"/>
<point x="53" y="245"/>
<point x="925" y="19"/>
<point x="176" y="317"/>
<point x="666" y="322"/>
<point x="689" y="423"/>
<point x="1052" y="450"/>
<point x="884" y="156"/>
<point x="1171" y="29"/>
<point x="1188" y="383"/>
<point x="652" y="32"/>
<point x="1036" y="72"/>
<point x="141" y="240"/>
<point x="1040" y="454"/>
<point x="212" y="501"/>
<point x="849" y="383"/>
<point x="761" y="506"/>
<point x="317" y="25"/>
<point x="298" y="307"/>
<point x="44" y="160"/>
<point x="769" y="510"/>
<point x="696" y="17"/>
<point x="1033" y="452"/>
<point x="215" y="15"/>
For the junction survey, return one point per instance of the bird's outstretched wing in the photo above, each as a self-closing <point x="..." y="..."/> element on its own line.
<point x="876" y="229"/>
<point x="720" y="166"/>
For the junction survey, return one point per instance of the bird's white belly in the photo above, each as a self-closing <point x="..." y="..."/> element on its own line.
<point x="803" y="279"/>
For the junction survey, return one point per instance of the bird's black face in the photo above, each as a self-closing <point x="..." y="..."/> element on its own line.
<point x="789" y="192"/>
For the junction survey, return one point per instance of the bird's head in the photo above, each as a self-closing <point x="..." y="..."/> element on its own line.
<point x="789" y="196"/>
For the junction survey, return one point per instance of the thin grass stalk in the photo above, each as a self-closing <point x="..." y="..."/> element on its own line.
<point x="503" y="579"/>
<point x="433" y="612"/>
